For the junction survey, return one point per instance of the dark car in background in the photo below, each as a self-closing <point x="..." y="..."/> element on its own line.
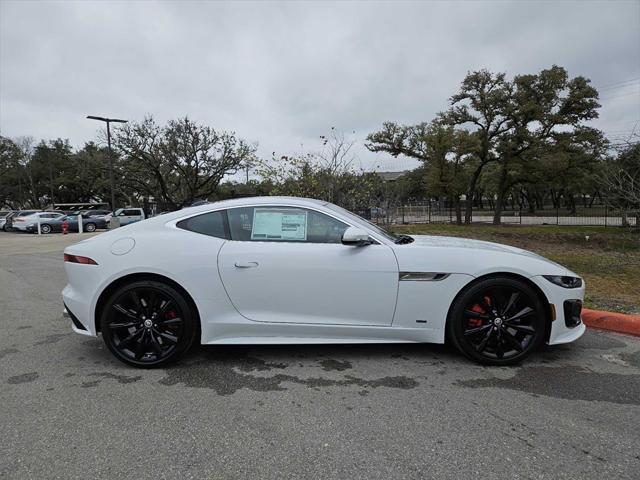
<point x="90" y="224"/>
<point x="3" y="217"/>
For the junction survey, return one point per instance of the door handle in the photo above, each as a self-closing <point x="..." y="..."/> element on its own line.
<point x="246" y="264"/>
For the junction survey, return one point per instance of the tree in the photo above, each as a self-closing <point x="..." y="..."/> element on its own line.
<point x="509" y="124"/>
<point x="10" y="174"/>
<point x="546" y="110"/>
<point x="444" y="152"/>
<point x="621" y="181"/>
<point x="180" y="162"/>
<point x="484" y="102"/>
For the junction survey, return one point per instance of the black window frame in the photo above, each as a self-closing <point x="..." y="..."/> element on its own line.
<point x="225" y="224"/>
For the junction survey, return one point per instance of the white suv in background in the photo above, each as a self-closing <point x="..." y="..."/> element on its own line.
<point x="129" y="215"/>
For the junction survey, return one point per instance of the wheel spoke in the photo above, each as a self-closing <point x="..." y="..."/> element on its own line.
<point x="151" y="302"/>
<point x="526" y="311"/>
<point x="119" y="308"/>
<point x="170" y="321"/>
<point x="164" y="307"/>
<point x="130" y="337"/>
<point x="474" y="331"/>
<point x="499" y="345"/>
<point x="512" y="300"/>
<point x="483" y="344"/>
<point x="155" y="344"/>
<point x="523" y="328"/>
<point x="168" y="337"/>
<point x="141" y="343"/>
<point x="123" y="325"/>
<point x="472" y="314"/>
<point x="136" y="301"/>
<point x="512" y="340"/>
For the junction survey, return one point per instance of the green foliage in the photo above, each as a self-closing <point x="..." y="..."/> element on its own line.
<point x="180" y="162"/>
<point x="501" y="135"/>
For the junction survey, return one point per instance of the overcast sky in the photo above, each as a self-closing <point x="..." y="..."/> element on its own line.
<point x="281" y="74"/>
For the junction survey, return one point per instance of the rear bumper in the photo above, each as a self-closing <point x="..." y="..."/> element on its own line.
<point x="76" y="325"/>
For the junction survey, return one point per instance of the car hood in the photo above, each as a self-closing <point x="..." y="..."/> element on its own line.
<point x="457" y="242"/>
<point x="463" y="255"/>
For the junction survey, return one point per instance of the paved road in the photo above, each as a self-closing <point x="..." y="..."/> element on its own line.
<point x="68" y="410"/>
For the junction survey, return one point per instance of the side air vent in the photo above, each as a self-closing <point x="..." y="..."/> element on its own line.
<point x="422" y="276"/>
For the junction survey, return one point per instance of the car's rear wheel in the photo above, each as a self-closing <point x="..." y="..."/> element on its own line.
<point x="148" y="324"/>
<point x="45" y="228"/>
<point x="90" y="227"/>
<point x="497" y="321"/>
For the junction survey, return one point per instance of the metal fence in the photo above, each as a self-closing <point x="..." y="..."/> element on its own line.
<point x="440" y="212"/>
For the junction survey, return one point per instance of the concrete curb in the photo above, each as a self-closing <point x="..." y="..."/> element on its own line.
<point x="616" y="322"/>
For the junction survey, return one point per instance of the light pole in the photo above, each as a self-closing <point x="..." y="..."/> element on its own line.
<point x="113" y="185"/>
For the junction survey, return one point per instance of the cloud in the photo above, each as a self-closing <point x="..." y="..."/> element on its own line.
<point x="282" y="74"/>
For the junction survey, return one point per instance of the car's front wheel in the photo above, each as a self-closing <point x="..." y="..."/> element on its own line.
<point x="90" y="227"/>
<point x="148" y="324"/>
<point x="44" y="228"/>
<point x="497" y="321"/>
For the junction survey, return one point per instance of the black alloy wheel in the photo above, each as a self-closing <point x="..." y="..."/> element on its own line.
<point x="148" y="324"/>
<point x="45" y="228"/>
<point x="90" y="227"/>
<point x="497" y="321"/>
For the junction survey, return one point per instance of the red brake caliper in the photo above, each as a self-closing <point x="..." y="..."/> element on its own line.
<point x="476" y="322"/>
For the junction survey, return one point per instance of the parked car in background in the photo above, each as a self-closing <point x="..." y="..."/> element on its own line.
<point x="23" y="223"/>
<point x="129" y="215"/>
<point x="3" y="218"/>
<point x="17" y="217"/>
<point x="104" y="214"/>
<point x="90" y="224"/>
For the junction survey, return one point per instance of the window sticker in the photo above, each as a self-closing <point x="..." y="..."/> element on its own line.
<point x="269" y="224"/>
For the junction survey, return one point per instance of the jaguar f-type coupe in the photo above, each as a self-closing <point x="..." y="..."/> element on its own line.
<point x="284" y="270"/>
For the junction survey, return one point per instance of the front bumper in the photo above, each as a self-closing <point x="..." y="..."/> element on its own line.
<point x="567" y="303"/>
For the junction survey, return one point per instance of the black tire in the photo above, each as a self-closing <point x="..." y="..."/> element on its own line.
<point x="90" y="227"/>
<point x="148" y="324"/>
<point x="45" y="229"/>
<point x="497" y="321"/>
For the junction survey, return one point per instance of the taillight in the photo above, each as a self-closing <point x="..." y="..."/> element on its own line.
<point x="79" y="259"/>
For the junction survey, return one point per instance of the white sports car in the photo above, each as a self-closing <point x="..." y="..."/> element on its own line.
<point x="277" y="270"/>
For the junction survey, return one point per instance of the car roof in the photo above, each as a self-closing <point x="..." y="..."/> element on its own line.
<point x="235" y="202"/>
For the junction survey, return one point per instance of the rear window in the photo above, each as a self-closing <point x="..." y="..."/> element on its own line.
<point x="213" y="224"/>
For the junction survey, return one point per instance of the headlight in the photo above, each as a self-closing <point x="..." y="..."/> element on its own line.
<point x="566" y="282"/>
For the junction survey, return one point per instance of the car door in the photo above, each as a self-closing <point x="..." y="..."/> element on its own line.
<point x="287" y="264"/>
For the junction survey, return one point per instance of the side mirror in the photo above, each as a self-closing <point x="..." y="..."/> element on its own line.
<point x="356" y="237"/>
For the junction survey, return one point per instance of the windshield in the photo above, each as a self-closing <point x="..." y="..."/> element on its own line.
<point x="363" y="221"/>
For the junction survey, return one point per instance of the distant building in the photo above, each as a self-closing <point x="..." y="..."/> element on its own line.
<point x="392" y="176"/>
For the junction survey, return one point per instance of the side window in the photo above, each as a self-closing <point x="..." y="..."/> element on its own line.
<point x="132" y="212"/>
<point x="212" y="224"/>
<point x="283" y="224"/>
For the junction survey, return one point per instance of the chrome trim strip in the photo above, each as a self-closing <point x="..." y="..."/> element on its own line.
<point x="422" y="276"/>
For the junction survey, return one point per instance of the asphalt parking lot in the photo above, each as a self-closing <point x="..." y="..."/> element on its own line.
<point x="69" y="410"/>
